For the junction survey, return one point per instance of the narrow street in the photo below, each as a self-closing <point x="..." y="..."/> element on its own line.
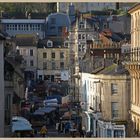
<point x="47" y="111"/>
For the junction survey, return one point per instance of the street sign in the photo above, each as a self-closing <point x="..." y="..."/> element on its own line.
<point x="64" y="75"/>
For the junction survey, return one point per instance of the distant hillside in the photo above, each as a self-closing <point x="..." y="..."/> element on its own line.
<point x="22" y="10"/>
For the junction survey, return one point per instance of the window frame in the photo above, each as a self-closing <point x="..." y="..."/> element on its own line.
<point x="62" y="65"/>
<point x="53" y="65"/>
<point x="53" y="55"/>
<point x="31" y="52"/>
<point x="31" y="63"/>
<point x="114" y="110"/>
<point x="114" y="90"/>
<point x="44" y="55"/>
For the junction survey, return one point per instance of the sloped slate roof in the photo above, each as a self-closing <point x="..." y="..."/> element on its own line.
<point x="25" y="41"/>
<point x="56" y="42"/>
<point x="114" y="69"/>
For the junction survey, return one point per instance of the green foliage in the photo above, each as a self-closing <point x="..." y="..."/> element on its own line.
<point x="28" y="7"/>
<point x="7" y="7"/>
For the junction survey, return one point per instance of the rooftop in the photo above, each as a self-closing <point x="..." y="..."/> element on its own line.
<point x="22" y="20"/>
<point x="114" y="69"/>
<point x="57" y="42"/>
<point x="25" y="41"/>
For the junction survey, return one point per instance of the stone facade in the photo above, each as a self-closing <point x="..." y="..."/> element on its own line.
<point x="2" y="87"/>
<point x="51" y="61"/>
<point x="108" y="98"/>
<point x="133" y="66"/>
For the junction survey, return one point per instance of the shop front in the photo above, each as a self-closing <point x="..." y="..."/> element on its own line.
<point x="109" y="129"/>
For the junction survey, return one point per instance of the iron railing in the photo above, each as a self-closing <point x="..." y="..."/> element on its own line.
<point x="132" y="55"/>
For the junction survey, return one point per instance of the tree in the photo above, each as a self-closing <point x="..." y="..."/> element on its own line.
<point x="28" y="7"/>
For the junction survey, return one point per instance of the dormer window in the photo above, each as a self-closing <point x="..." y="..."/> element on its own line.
<point x="81" y="25"/>
<point x="49" y="43"/>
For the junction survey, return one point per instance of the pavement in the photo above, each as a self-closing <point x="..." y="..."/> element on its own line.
<point x="52" y="132"/>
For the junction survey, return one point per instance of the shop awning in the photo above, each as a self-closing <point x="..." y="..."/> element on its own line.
<point x="39" y="112"/>
<point x="51" y="105"/>
<point x="42" y="111"/>
<point x="20" y="124"/>
<point x="51" y="101"/>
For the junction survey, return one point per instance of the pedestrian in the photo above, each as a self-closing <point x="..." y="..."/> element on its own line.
<point x="67" y="127"/>
<point x="43" y="131"/>
<point x="35" y="132"/>
<point x="84" y="131"/>
<point x="63" y="127"/>
<point x="57" y="127"/>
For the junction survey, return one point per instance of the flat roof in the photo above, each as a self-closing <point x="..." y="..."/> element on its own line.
<point x="22" y="20"/>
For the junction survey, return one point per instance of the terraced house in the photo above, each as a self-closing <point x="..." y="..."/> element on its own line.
<point x="52" y="59"/>
<point x="132" y="64"/>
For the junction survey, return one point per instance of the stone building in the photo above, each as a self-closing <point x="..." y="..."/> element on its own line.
<point x="13" y="84"/>
<point x="26" y="46"/>
<point x="2" y="39"/>
<point x="132" y="64"/>
<point x="105" y="101"/>
<point x="52" y="59"/>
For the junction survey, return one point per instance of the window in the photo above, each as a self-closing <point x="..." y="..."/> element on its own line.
<point x="7" y="27"/>
<point x="81" y="48"/>
<point x="19" y="27"/>
<point x="31" y="52"/>
<point x="61" y="65"/>
<point x="47" y="77"/>
<point x="49" y="43"/>
<point x="111" y="55"/>
<point x="83" y="36"/>
<point x="35" y="27"/>
<point x="24" y="52"/>
<point x="114" y="109"/>
<point x="81" y="25"/>
<point x="40" y="77"/>
<point x="53" y="54"/>
<point x="53" y="20"/>
<point x="44" y="55"/>
<point x="44" y="65"/>
<point x="53" y="65"/>
<point x="90" y="85"/>
<point x="31" y="63"/>
<point x="26" y="27"/>
<point x="114" y="89"/>
<point x="18" y="52"/>
<point x="118" y="133"/>
<point x="66" y="44"/>
<point x="60" y="29"/>
<point x="25" y="62"/>
<point x="79" y="36"/>
<point x="109" y="133"/>
<point x="10" y="27"/>
<point x="61" y="55"/>
<point x="52" y="28"/>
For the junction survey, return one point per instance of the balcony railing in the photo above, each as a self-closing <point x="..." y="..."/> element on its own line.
<point x="132" y="55"/>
